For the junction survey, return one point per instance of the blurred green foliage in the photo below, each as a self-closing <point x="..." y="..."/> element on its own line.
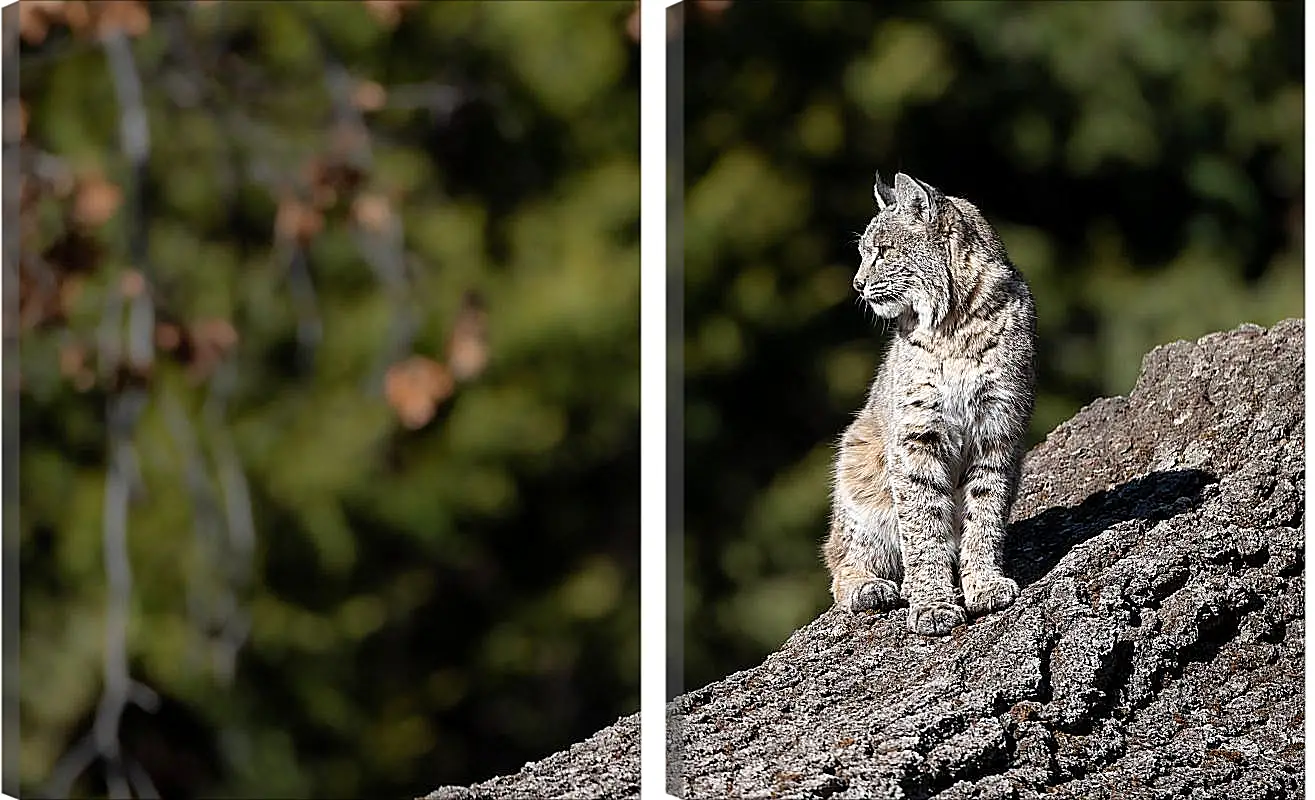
<point x="1143" y="162"/>
<point x="431" y="602"/>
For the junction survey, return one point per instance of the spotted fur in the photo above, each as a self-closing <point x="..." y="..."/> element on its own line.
<point x="927" y="473"/>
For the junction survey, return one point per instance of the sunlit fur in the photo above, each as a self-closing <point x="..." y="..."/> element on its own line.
<point x="928" y="471"/>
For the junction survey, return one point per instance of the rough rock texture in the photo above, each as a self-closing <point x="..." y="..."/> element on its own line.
<point x="1156" y="651"/>
<point x="605" y="765"/>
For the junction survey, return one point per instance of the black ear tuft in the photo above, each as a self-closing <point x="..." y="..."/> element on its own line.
<point x="885" y="196"/>
<point x="917" y="196"/>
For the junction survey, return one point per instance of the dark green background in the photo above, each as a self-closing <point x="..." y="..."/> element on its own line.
<point x="1142" y="160"/>
<point x="429" y="606"/>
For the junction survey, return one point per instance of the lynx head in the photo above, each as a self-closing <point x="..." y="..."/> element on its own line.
<point x="904" y="255"/>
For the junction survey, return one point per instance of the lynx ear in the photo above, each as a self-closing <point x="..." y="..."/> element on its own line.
<point x="917" y="196"/>
<point x="884" y="195"/>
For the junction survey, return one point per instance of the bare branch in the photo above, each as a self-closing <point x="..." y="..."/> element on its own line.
<point x="383" y="244"/>
<point x="124" y="407"/>
<point x="141" y="781"/>
<point x="310" y="327"/>
<point x="123" y="411"/>
<point x="206" y="521"/>
<point x="241" y="543"/>
<point x="69" y="766"/>
<point x="134" y="132"/>
<point x="437" y="98"/>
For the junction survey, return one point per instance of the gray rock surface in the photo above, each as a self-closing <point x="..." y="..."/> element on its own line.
<point x="605" y="765"/>
<point x="1156" y="650"/>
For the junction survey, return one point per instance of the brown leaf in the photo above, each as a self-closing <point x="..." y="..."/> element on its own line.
<point x="83" y="19"/>
<point x="95" y="200"/>
<point x="415" y="388"/>
<point x="129" y="16"/>
<point x="77" y="16"/>
<point x="713" y="8"/>
<point x="296" y="221"/>
<point x="388" y="12"/>
<point x="70" y="290"/>
<point x="72" y="357"/>
<point x="632" y="23"/>
<point x="73" y="364"/>
<point x="369" y="96"/>
<point x="211" y="341"/>
<point x="35" y="303"/>
<point x="372" y="212"/>
<point x="468" y="346"/>
<point x="168" y="336"/>
<point x="132" y="283"/>
<point x="46" y="296"/>
<point x="215" y="334"/>
<point x="35" y="18"/>
<point x="331" y="176"/>
<point x="18" y="132"/>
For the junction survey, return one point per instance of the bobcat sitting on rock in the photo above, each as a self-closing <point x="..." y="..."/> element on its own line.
<point x="928" y="471"/>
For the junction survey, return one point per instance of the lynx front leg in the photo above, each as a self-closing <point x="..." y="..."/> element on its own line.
<point x="989" y="485"/>
<point x="920" y="481"/>
<point x="861" y="565"/>
<point x="862" y="550"/>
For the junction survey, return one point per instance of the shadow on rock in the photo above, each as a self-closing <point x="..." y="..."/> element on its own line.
<point x="1035" y="545"/>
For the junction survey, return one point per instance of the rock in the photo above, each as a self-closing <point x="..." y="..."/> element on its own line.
<point x="1156" y="649"/>
<point x="605" y="765"/>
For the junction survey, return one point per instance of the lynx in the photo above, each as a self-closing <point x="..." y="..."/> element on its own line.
<point x="927" y="473"/>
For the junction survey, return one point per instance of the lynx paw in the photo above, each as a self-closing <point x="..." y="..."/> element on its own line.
<point x="877" y="594"/>
<point x="990" y="594"/>
<point x="935" y="619"/>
